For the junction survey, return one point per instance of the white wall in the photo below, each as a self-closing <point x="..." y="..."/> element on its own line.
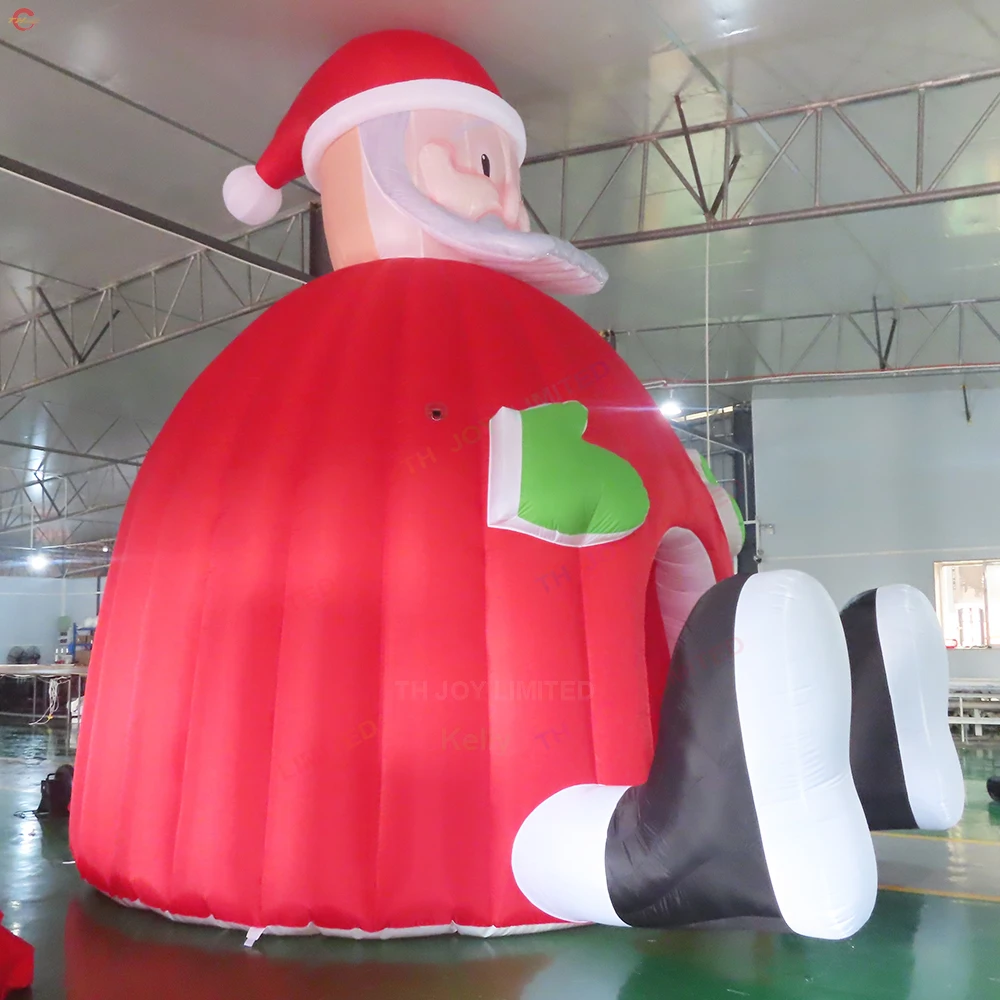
<point x="30" y="609"/>
<point x="868" y="485"/>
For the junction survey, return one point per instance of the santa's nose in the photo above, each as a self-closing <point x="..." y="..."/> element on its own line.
<point x="511" y="206"/>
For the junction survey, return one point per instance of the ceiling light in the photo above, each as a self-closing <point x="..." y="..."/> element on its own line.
<point x="38" y="561"/>
<point x="671" y="408"/>
<point x="105" y="549"/>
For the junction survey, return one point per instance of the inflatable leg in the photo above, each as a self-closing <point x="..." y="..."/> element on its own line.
<point x="749" y="809"/>
<point x="904" y="760"/>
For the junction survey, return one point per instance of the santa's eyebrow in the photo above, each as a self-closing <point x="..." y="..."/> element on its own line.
<point x="461" y="130"/>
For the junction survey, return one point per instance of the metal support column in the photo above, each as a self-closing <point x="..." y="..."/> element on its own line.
<point x="319" y="253"/>
<point x="745" y="491"/>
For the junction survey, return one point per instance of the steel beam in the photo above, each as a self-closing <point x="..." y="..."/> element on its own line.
<point x="99" y="570"/>
<point x="62" y="516"/>
<point x="766" y="116"/>
<point x="968" y="314"/>
<point x="986" y="368"/>
<point x="186" y="295"/>
<point x="70" y="497"/>
<point x="47" y="450"/>
<point x="96" y="544"/>
<point x="909" y="191"/>
<point x="130" y="323"/>
<point x="98" y="199"/>
<point x="986" y="190"/>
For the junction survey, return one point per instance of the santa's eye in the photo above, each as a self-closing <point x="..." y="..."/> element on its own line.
<point x="485" y="160"/>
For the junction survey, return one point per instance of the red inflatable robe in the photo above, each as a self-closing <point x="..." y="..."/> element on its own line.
<point x="324" y="693"/>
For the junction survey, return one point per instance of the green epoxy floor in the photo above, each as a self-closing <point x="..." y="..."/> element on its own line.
<point x="917" y="946"/>
<point x="982" y="817"/>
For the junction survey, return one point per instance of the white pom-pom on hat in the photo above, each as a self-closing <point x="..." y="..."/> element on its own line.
<point x="249" y="197"/>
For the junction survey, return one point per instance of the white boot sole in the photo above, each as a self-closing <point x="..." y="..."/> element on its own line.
<point x="793" y="688"/>
<point x="916" y="669"/>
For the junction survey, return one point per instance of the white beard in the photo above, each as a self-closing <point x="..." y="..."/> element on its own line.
<point x="550" y="264"/>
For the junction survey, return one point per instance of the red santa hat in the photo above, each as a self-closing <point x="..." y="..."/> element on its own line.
<point x="375" y="75"/>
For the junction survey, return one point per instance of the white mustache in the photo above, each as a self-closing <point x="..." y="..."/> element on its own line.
<point x="544" y="261"/>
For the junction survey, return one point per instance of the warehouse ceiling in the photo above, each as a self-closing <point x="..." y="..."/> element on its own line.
<point x="154" y="103"/>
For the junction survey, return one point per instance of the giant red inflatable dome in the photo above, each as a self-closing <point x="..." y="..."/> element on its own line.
<point x="326" y="689"/>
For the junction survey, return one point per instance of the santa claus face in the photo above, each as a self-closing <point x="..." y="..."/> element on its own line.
<point x="467" y="166"/>
<point x="440" y="184"/>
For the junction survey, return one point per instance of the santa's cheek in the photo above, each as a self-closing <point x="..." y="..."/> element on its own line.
<point x="466" y="194"/>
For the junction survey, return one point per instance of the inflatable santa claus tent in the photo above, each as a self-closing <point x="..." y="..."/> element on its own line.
<point x="455" y="640"/>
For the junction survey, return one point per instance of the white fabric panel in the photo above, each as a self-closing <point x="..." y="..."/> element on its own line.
<point x="355" y="934"/>
<point x="916" y="667"/>
<point x="558" y="854"/>
<point x="793" y="691"/>
<point x="683" y="572"/>
<point x="503" y="490"/>
<point x="409" y="95"/>
<point x="723" y="506"/>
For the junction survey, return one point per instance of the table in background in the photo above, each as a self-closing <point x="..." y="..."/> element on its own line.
<point x="973" y="704"/>
<point x="42" y="672"/>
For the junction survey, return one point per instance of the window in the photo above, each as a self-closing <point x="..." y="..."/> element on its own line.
<point x="968" y="603"/>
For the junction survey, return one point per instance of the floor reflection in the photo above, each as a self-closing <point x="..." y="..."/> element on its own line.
<point x="914" y="948"/>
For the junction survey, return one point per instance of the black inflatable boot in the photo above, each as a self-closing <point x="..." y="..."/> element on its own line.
<point x="749" y="811"/>
<point x="903" y="758"/>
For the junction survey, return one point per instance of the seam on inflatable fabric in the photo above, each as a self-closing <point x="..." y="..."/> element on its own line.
<point x="433" y="930"/>
<point x="672" y="559"/>
<point x="749" y="596"/>
<point x="474" y="378"/>
<point x="275" y="701"/>
<point x="926" y="713"/>
<point x="554" y="537"/>
<point x="912" y="655"/>
<point x="890" y="653"/>
<point x="199" y="654"/>
<point x="906" y="649"/>
<point x="791" y="594"/>
<point x="388" y="493"/>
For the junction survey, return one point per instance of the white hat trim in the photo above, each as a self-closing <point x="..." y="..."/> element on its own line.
<point x="409" y="95"/>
